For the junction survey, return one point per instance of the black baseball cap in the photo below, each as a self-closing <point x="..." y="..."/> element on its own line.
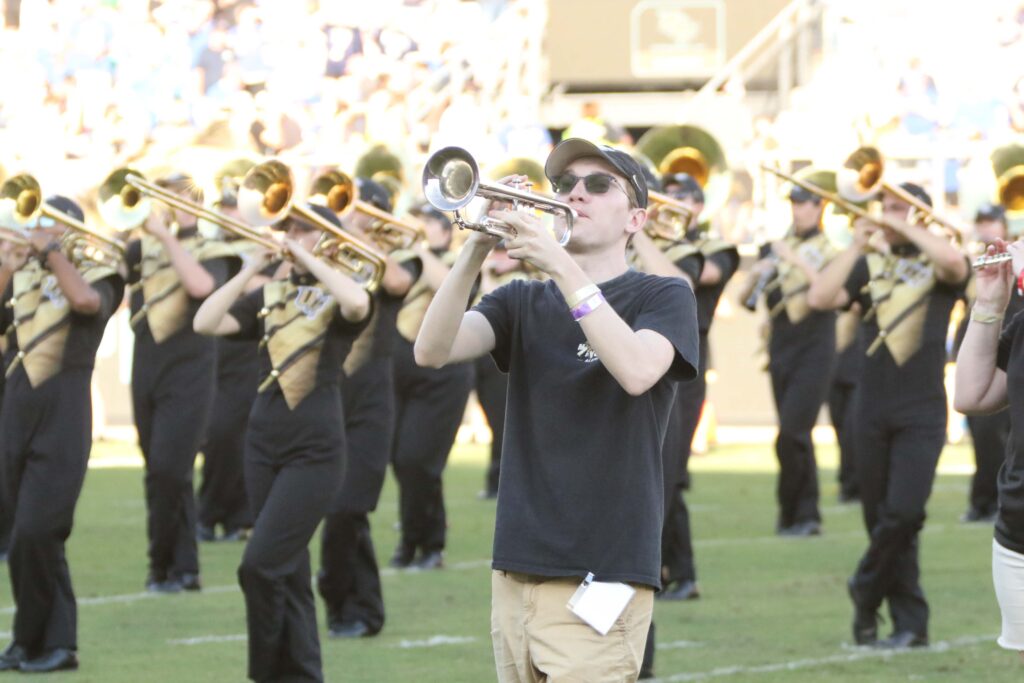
<point x="568" y="151"/>
<point x="802" y="194"/>
<point x="917" y="191"/>
<point x="687" y="186"/>
<point x="429" y="211"/>
<point x="990" y="212"/>
<point x="372" y="192"/>
<point x="66" y="206"/>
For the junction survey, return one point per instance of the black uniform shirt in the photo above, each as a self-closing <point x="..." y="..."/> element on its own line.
<point x="385" y="323"/>
<point x="727" y="259"/>
<point x="916" y="386"/>
<point x="581" y="478"/>
<point x="339" y="334"/>
<point x="811" y="337"/>
<point x="1009" y="530"/>
<point x="84" y="332"/>
<point x="184" y="343"/>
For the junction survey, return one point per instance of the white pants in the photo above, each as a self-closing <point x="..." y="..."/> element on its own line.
<point x="1008" y="577"/>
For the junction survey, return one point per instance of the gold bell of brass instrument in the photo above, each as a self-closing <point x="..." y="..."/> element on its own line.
<point x="671" y="217"/>
<point x="336" y="191"/>
<point x="266" y="197"/>
<point x="22" y="206"/>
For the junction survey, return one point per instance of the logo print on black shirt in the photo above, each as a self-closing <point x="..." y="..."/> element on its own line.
<point x="311" y="300"/>
<point x="585" y="353"/>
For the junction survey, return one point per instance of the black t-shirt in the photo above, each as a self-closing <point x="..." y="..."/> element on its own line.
<point x="727" y="259"/>
<point x="915" y="388"/>
<point x="1009" y="530"/>
<point x="581" y="478"/>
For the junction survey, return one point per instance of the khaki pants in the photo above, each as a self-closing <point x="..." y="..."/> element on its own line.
<point x="538" y="640"/>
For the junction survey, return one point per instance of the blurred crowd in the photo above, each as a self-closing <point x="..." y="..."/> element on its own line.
<point x="134" y="81"/>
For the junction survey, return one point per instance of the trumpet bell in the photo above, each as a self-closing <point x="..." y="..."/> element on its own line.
<point x="1008" y="165"/>
<point x="122" y="205"/>
<point x="21" y="201"/>
<point x="692" y="150"/>
<point x="333" y="190"/>
<point x="451" y="179"/>
<point x="860" y="178"/>
<point x="266" y="193"/>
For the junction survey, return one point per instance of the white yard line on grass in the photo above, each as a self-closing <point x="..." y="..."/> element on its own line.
<point x="856" y="656"/>
<point x="202" y="640"/>
<point x="435" y="641"/>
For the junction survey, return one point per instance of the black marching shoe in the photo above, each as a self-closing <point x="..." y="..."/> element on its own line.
<point x="974" y="515"/>
<point x="679" y="590"/>
<point x="431" y="560"/>
<point x="865" y="619"/>
<point x="402" y="557"/>
<point x="349" y="629"/>
<point x="60" y="659"/>
<point x="12" y="657"/>
<point x="162" y="585"/>
<point x="902" y="641"/>
<point x="809" y="527"/>
<point x="205" y="534"/>
<point x="189" y="581"/>
<point x="233" y="535"/>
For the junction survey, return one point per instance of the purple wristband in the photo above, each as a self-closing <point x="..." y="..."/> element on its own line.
<point x="587" y="306"/>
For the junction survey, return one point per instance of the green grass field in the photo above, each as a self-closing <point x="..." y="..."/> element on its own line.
<point x="773" y="609"/>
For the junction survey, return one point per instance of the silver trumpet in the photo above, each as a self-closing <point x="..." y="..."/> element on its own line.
<point x="451" y="180"/>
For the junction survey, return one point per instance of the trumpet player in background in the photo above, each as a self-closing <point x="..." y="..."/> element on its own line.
<point x="57" y="298"/>
<point x="801" y="352"/>
<point x="349" y="579"/>
<point x="593" y="355"/>
<point x="907" y="291"/>
<point x="295" y="443"/>
<point x="171" y="270"/>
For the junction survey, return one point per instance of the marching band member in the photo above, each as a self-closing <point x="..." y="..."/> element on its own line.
<point x="57" y="308"/>
<point x="907" y="296"/>
<point x="349" y="579"/>
<point x="295" y="443"/>
<point x="801" y="352"/>
<point x="171" y="269"/>
<point x="429" y="405"/>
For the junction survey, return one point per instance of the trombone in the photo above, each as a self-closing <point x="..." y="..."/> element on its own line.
<point x="861" y="177"/>
<point x="451" y="180"/>
<point x="264" y="198"/>
<point x="22" y="205"/>
<point x="671" y="218"/>
<point x="833" y="197"/>
<point x="336" y="191"/>
<point x="125" y="202"/>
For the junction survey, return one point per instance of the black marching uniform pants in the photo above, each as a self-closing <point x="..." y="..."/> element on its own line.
<point x="349" y="578"/>
<point x="429" y="406"/>
<point x="840" y="410"/>
<point x="897" y="456"/>
<point x="172" y="408"/>
<point x="47" y="437"/>
<point x="799" y="390"/>
<point x="221" y="498"/>
<point x="990" y="434"/>
<point x="291" y="477"/>
<point x="492" y="392"/>
<point x="676" y="540"/>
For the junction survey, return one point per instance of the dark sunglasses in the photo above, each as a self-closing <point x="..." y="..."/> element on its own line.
<point x="595" y="183"/>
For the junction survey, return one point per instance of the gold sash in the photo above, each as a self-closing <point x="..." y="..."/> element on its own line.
<point x="898" y="288"/>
